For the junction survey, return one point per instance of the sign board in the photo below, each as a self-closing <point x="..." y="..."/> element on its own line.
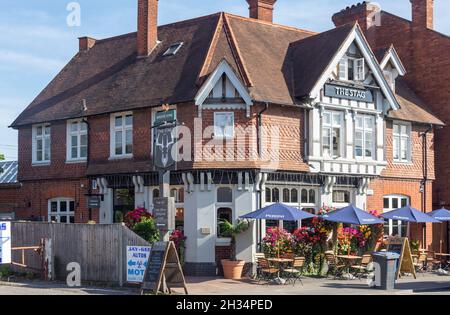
<point x="163" y="212"/>
<point x="164" y="142"/>
<point x="165" y="116"/>
<point x="94" y="202"/>
<point x="137" y="258"/>
<point x="355" y="94"/>
<point x="400" y="245"/>
<point x="163" y="270"/>
<point x="5" y="243"/>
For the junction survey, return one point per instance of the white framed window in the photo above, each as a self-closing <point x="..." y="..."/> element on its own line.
<point x="401" y="133"/>
<point x="41" y="144"/>
<point x="351" y="69"/>
<point x="333" y="132"/>
<point x="61" y="210"/>
<point x="394" y="227"/>
<point x="122" y="135"/>
<point x="77" y="140"/>
<point x="365" y="136"/>
<point x="224" y="125"/>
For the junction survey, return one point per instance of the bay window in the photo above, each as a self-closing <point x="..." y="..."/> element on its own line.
<point x="364" y="136"/>
<point x="402" y="142"/>
<point x="41" y="144"/>
<point x="77" y="138"/>
<point x="122" y="135"/>
<point x="332" y="133"/>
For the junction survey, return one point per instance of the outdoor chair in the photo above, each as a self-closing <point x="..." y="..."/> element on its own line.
<point x="266" y="271"/>
<point x="363" y="268"/>
<point x="433" y="262"/>
<point x="335" y="268"/>
<point x="295" y="272"/>
<point x="421" y="264"/>
<point x="258" y="256"/>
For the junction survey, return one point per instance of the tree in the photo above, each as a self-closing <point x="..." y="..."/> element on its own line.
<point x="2" y="157"/>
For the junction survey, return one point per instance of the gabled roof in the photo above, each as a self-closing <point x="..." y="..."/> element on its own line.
<point x="8" y="172"/>
<point x="311" y="57"/>
<point x="390" y="54"/>
<point x="412" y="108"/>
<point x="274" y="63"/>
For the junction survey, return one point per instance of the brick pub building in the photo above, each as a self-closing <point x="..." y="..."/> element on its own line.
<point x="328" y="120"/>
<point x="424" y="53"/>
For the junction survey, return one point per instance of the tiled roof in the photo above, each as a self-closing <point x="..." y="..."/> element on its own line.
<point x="8" y="172"/>
<point x="276" y="63"/>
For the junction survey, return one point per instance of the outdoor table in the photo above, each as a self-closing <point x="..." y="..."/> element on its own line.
<point x="348" y="260"/>
<point x="444" y="256"/>
<point x="281" y="262"/>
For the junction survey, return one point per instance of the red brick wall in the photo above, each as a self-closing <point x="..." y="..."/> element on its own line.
<point x="10" y="198"/>
<point x="32" y="198"/>
<point x="410" y="188"/>
<point x="414" y="169"/>
<point x="58" y="169"/>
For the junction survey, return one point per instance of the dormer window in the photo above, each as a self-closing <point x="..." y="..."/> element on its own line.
<point x="351" y="69"/>
<point x="173" y="49"/>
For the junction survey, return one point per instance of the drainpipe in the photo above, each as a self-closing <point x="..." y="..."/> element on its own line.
<point x="425" y="177"/>
<point x="87" y="161"/>
<point x="259" y="128"/>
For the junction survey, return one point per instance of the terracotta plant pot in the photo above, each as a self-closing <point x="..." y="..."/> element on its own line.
<point x="232" y="269"/>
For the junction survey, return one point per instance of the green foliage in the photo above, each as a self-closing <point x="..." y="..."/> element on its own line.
<point x="147" y="230"/>
<point x="5" y="271"/>
<point x="2" y="157"/>
<point x="227" y="229"/>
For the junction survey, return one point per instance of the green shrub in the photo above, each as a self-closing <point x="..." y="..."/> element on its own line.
<point x="147" y="230"/>
<point x="5" y="271"/>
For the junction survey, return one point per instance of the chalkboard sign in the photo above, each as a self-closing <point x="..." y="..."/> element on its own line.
<point x="400" y="245"/>
<point x="164" y="270"/>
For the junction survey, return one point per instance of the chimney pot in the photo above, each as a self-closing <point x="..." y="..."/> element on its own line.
<point x="86" y="43"/>
<point x="147" y="33"/>
<point x="261" y="9"/>
<point x="423" y="13"/>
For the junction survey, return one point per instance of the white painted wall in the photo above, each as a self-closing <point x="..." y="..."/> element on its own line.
<point x="106" y="207"/>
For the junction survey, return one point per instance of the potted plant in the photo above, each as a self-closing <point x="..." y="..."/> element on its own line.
<point x="232" y="268"/>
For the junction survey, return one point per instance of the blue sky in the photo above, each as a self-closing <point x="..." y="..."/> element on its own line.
<point x="36" y="42"/>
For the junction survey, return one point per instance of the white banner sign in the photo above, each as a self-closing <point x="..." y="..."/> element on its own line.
<point x="5" y="243"/>
<point x="137" y="258"/>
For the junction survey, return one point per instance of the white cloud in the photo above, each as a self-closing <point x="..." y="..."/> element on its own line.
<point x="12" y="58"/>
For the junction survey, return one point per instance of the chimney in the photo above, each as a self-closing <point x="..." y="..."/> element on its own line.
<point x="147" y="33"/>
<point x="365" y="13"/>
<point x="86" y="43"/>
<point x="262" y="9"/>
<point x="422" y="13"/>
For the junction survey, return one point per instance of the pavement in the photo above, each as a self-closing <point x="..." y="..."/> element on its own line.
<point x="428" y="284"/>
<point x="423" y="285"/>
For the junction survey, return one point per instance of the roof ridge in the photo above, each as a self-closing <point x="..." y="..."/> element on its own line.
<point x="240" y="61"/>
<point x="410" y="22"/>
<point x="290" y="28"/>
<point x="211" y="49"/>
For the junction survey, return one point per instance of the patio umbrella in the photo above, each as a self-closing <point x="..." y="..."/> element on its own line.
<point x="352" y="215"/>
<point x="409" y="214"/>
<point x="442" y="215"/>
<point x="279" y="212"/>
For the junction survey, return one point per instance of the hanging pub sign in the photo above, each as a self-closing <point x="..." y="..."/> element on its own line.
<point x="400" y="245"/>
<point x="349" y="93"/>
<point x="163" y="270"/>
<point x="164" y="139"/>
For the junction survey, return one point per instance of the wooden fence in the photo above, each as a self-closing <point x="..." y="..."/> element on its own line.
<point x="99" y="249"/>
